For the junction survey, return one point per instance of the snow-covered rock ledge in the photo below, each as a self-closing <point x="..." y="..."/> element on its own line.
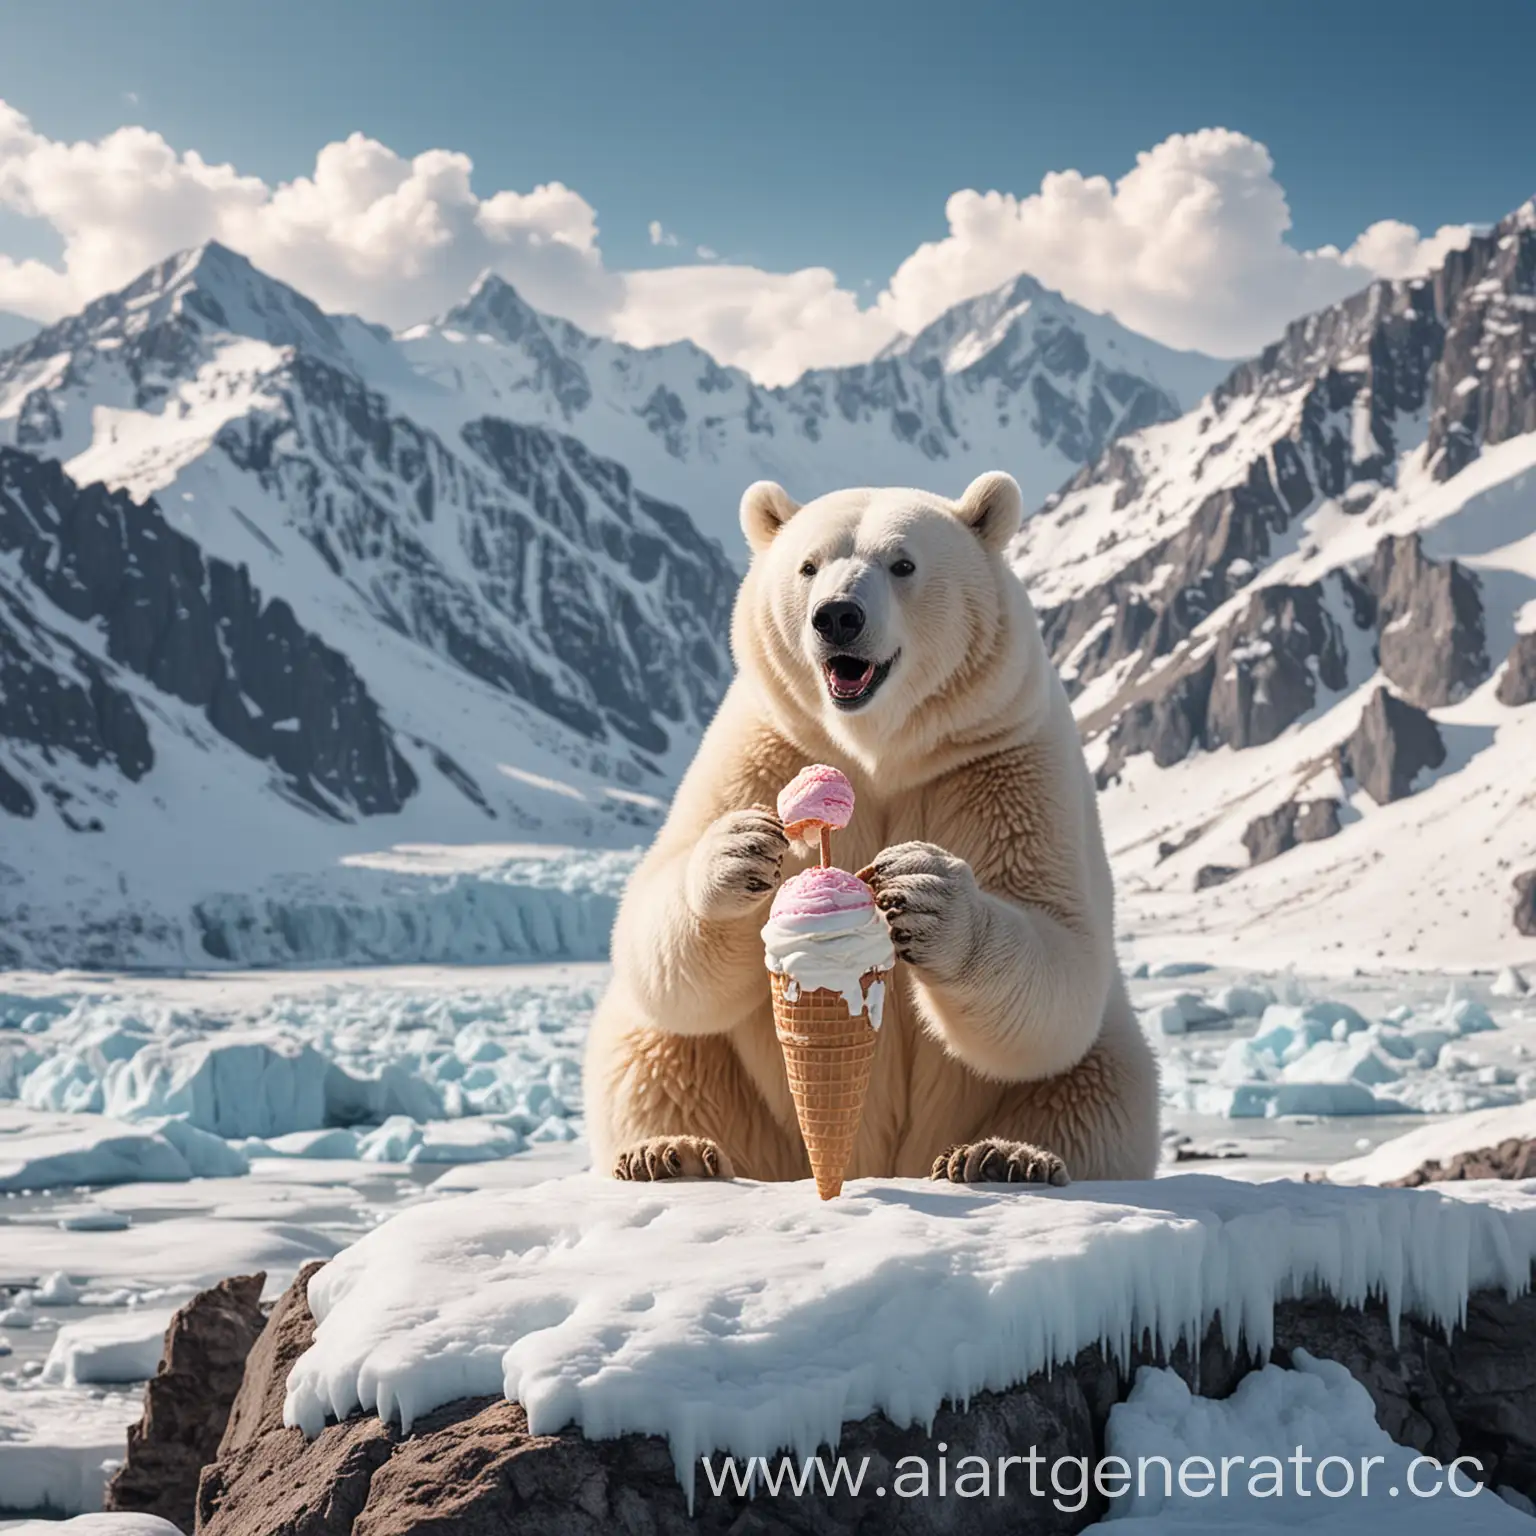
<point x="750" y="1317"/>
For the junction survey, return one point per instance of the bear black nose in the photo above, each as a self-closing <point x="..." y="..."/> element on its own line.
<point x="838" y="620"/>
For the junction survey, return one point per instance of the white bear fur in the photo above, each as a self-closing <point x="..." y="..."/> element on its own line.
<point x="1009" y="1019"/>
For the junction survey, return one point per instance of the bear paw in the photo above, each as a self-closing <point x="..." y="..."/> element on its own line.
<point x="928" y="899"/>
<point x="995" y="1161"/>
<point x="736" y="865"/>
<point x="673" y="1157"/>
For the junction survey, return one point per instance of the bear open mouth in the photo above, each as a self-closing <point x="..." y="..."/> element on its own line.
<point x="853" y="680"/>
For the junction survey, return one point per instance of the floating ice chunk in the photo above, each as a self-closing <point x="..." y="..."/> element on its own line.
<point x="1166" y="970"/>
<point x="18" y="1313"/>
<point x="1510" y="983"/>
<point x="1354" y="1059"/>
<point x="402" y="1140"/>
<point x="335" y="1143"/>
<point x="395" y="1090"/>
<point x="94" y="1218"/>
<point x="56" y="1290"/>
<point x="230" y="1088"/>
<point x="1467" y="1017"/>
<point x="1178" y="1014"/>
<point x="207" y="1156"/>
<point x="45" y="1151"/>
<point x="1243" y="1002"/>
<point x="122" y="1346"/>
<point x="1435" y="1095"/>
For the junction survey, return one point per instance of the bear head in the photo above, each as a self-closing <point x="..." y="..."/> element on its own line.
<point x="886" y="616"/>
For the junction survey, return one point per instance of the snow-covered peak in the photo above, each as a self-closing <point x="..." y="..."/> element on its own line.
<point x="168" y="315"/>
<point x="1022" y="325"/>
<point x="493" y="307"/>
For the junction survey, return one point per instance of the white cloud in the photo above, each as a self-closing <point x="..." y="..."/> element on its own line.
<point x="777" y="324"/>
<point x="367" y="230"/>
<point x="1189" y="246"/>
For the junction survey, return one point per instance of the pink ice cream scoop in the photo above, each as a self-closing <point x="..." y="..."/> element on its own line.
<point x="818" y="893"/>
<point x="817" y="796"/>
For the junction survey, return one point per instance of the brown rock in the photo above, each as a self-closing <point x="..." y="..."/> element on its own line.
<point x="1517" y="685"/>
<point x="472" y="1469"/>
<point x="1511" y="1159"/>
<point x="1392" y="744"/>
<point x="1267" y="837"/>
<point x="258" y="1405"/>
<point x="1525" y="904"/>
<point x="1209" y="875"/>
<point x="283" y="1485"/>
<point x="1429" y="623"/>
<point x="187" y="1404"/>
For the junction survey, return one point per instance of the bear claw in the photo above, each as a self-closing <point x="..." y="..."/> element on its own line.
<point x="995" y="1161"/>
<point x="673" y="1157"/>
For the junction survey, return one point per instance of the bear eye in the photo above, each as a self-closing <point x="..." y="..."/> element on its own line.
<point x="902" y="567"/>
<point x="809" y="568"/>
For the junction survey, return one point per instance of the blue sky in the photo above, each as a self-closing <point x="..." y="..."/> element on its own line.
<point x="797" y="135"/>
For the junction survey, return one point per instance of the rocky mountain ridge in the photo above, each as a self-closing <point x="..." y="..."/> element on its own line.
<point x="248" y="589"/>
<point x="1313" y="597"/>
<point x="1017" y="378"/>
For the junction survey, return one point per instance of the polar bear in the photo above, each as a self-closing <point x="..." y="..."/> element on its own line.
<point x="882" y="632"/>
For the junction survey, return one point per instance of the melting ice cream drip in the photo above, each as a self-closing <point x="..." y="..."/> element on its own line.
<point x="824" y="931"/>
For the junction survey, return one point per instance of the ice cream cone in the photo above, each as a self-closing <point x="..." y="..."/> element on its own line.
<point x="828" y="1054"/>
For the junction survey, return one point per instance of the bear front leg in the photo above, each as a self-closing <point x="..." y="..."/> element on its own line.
<point x="1015" y="991"/>
<point x="687" y="938"/>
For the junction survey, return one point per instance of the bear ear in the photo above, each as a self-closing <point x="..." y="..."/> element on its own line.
<point x="765" y="508"/>
<point x="992" y="507"/>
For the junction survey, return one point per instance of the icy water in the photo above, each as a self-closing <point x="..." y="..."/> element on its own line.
<point x="158" y="1133"/>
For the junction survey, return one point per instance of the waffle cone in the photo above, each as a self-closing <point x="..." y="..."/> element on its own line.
<point x="827" y="1054"/>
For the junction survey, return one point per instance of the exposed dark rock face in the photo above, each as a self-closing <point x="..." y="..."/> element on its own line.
<point x="1262" y="676"/>
<point x="1514" y="1158"/>
<point x="1268" y="666"/>
<point x="1268" y="836"/>
<point x="1525" y="904"/>
<point x="1485" y="376"/>
<point x="472" y="1467"/>
<point x="194" y="628"/>
<point x="1392" y="744"/>
<point x="1429" y="624"/>
<point x="1209" y="875"/>
<point x="1517" y="685"/>
<point x="1169" y="722"/>
<point x="1357" y="382"/>
<point x="599" y="605"/>
<point x="187" y="1404"/>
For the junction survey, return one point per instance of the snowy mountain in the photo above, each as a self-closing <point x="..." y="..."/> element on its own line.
<point x="1018" y="379"/>
<point x="289" y="613"/>
<point x="279" y="590"/>
<point x="1298" y="623"/>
